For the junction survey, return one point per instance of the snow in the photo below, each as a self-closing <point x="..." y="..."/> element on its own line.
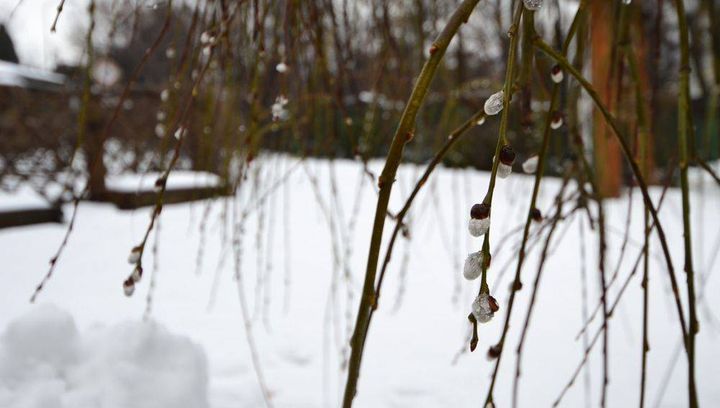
<point x="131" y="182"/>
<point x="301" y="277"/>
<point x="46" y="362"/>
<point x="23" y="198"/>
<point x="12" y="74"/>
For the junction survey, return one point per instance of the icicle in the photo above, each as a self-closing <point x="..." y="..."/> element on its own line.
<point x="484" y="308"/>
<point x="134" y="256"/>
<point x="473" y="265"/>
<point x="530" y="165"/>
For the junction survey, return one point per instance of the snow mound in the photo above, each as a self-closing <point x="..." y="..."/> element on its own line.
<point x="45" y="362"/>
<point x="130" y="182"/>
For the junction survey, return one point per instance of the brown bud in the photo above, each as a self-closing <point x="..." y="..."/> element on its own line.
<point x="507" y="155"/>
<point x="494" y="351"/>
<point x="160" y="183"/>
<point x="493" y="304"/>
<point x="480" y="211"/>
<point x="516" y="285"/>
<point x="536" y="215"/>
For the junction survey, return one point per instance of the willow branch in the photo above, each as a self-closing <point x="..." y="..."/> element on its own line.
<point x="403" y="134"/>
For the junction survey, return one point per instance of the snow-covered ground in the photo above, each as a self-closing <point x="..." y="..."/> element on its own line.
<point x="84" y="344"/>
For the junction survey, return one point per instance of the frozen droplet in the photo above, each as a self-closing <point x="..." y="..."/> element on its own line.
<point x="278" y="108"/>
<point x="134" y="256"/>
<point x="533" y="5"/>
<point x="504" y="170"/>
<point x="494" y="104"/>
<point x="136" y="274"/>
<point x="281" y="67"/>
<point x="159" y="130"/>
<point x="473" y="265"/>
<point x="482" y="309"/>
<point x="530" y="165"/>
<point x="478" y="227"/>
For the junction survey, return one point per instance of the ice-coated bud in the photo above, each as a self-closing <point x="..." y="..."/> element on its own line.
<point x="530" y="165"/>
<point x="507" y="158"/>
<point x="128" y="287"/>
<point x="484" y="308"/>
<point x="557" y="120"/>
<point x="160" y="184"/>
<point x="556" y="74"/>
<point x="473" y="265"/>
<point x="480" y="211"/>
<point x="533" y="5"/>
<point x="281" y="67"/>
<point x="134" y="256"/>
<point x="494" y="104"/>
<point x="180" y="132"/>
<point x="159" y="130"/>
<point x="137" y="274"/>
<point x="478" y="227"/>
<point x="504" y="170"/>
